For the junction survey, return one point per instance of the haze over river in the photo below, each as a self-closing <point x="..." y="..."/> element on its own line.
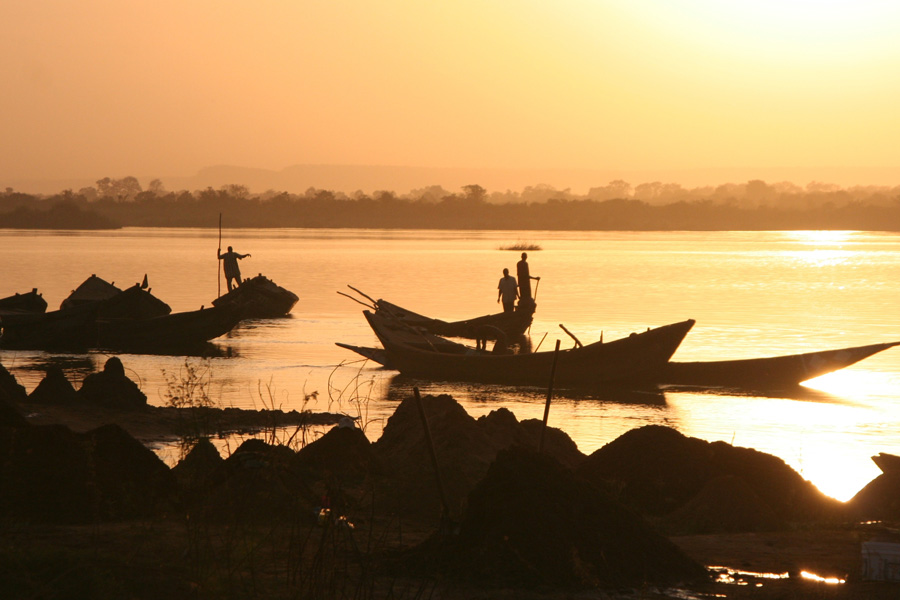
<point x="753" y="294"/>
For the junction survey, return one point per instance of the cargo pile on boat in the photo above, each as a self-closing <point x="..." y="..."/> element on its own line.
<point x="99" y="315"/>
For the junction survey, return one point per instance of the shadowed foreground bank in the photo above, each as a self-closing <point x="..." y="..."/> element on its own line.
<point x="94" y="513"/>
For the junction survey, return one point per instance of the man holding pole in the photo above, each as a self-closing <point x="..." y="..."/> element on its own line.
<point x="525" y="277"/>
<point x="230" y="266"/>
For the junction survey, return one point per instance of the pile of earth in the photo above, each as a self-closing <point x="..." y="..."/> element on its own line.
<point x="108" y="388"/>
<point x="689" y="485"/>
<point x="879" y="500"/>
<point x="261" y="482"/>
<point x="51" y="474"/>
<point x="531" y="522"/>
<point x="464" y="449"/>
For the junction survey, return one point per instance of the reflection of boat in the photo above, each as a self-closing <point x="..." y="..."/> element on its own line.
<point x="511" y="324"/>
<point x="182" y="332"/>
<point x="635" y="358"/>
<point x="399" y="387"/>
<point x="769" y="372"/>
<point x="888" y="463"/>
<point x="260" y="298"/>
<point x="29" y="302"/>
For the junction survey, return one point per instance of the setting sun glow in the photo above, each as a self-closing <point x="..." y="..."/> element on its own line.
<point x="687" y="90"/>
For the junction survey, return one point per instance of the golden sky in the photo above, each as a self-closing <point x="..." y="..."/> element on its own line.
<point x="97" y="88"/>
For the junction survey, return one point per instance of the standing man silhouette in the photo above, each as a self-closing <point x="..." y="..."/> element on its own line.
<point x="230" y="265"/>
<point x="508" y="291"/>
<point x="524" y="281"/>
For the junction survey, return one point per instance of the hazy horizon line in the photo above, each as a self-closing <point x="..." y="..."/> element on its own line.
<point x="349" y="178"/>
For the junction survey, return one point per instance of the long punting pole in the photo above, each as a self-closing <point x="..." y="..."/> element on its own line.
<point x="434" y="461"/>
<point x="218" y="268"/>
<point x="549" y="396"/>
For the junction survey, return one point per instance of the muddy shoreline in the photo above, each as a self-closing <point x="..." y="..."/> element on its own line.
<point x="155" y="424"/>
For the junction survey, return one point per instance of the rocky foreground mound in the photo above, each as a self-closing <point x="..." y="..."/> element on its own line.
<point x="532" y="522"/>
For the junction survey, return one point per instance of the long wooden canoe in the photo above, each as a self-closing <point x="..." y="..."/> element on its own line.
<point x="179" y="333"/>
<point x="636" y="358"/>
<point x="768" y="372"/>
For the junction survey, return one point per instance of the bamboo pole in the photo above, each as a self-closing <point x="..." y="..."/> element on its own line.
<point x="218" y="267"/>
<point x="549" y="396"/>
<point x="434" y="460"/>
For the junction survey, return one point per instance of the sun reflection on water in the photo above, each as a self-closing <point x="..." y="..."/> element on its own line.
<point x="852" y="383"/>
<point x="820" y="237"/>
<point x="828" y="438"/>
<point x="820" y="579"/>
<point x="740" y="577"/>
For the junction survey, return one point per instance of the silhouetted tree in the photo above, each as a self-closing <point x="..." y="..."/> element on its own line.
<point x="120" y="189"/>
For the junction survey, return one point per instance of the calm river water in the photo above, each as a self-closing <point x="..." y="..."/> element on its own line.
<point x="753" y="294"/>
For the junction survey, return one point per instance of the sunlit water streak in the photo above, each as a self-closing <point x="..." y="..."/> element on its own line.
<point x="752" y="293"/>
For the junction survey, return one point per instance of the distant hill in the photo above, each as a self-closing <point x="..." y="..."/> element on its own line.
<point x="369" y="179"/>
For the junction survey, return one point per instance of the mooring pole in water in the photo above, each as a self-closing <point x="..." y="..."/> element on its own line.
<point x="218" y="268"/>
<point x="549" y="396"/>
<point x="434" y="460"/>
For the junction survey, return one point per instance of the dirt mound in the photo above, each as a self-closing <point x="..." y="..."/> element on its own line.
<point x="463" y="451"/>
<point x="195" y="469"/>
<point x="131" y="479"/>
<point x="465" y="448"/>
<point x="344" y="453"/>
<point x="343" y="470"/>
<point x="10" y="389"/>
<point x="11" y="393"/>
<point x="10" y="415"/>
<point x="54" y="388"/>
<point x="653" y="468"/>
<point x="51" y="474"/>
<point x="657" y="470"/>
<point x="45" y="476"/>
<point x="111" y="388"/>
<point x="532" y="522"/>
<point x="557" y="443"/>
<point x="879" y="500"/>
<point x="257" y="483"/>
<point x="502" y="426"/>
<point x="726" y="504"/>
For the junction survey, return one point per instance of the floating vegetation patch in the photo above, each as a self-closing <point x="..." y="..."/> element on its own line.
<point x="523" y="246"/>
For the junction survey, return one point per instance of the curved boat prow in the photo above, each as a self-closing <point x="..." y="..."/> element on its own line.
<point x="768" y="372"/>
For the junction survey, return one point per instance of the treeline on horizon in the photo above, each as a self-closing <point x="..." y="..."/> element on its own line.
<point x="755" y="205"/>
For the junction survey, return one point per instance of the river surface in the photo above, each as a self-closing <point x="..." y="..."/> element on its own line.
<point x="753" y="294"/>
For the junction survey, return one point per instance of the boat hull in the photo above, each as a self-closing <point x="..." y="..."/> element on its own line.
<point x="259" y="298"/>
<point x="768" y="372"/>
<point x="182" y="332"/>
<point x="636" y="359"/>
